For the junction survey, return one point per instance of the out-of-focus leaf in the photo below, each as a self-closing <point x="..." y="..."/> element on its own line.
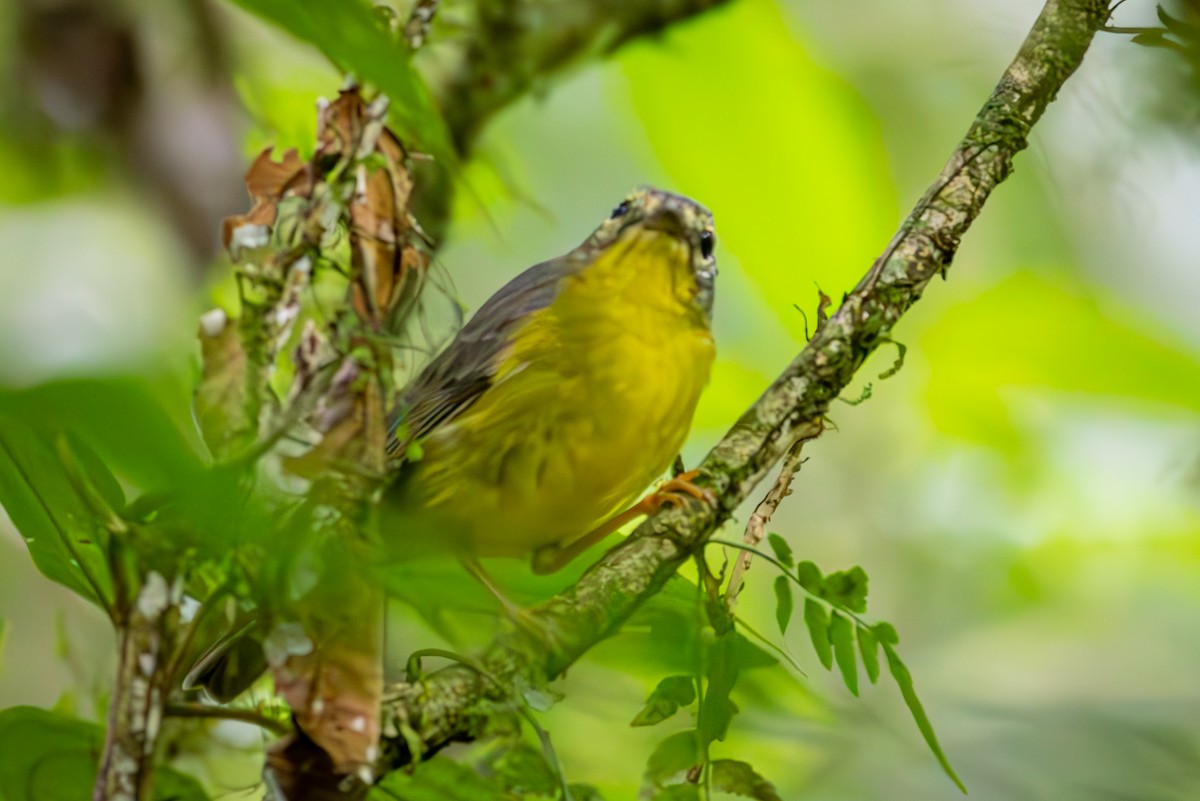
<point x="436" y="780"/>
<point x="904" y="681"/>
<point x="810" y="577"/>
<point x="886" y="633"/>
<point x="140" y="427"/>
<point x="349" y="34"/>
<point x="841" y="633"/>
<point x="673" y="756"/>
<point x="664" y="636"/>
<point x="816" y="618"/>
<point x="1048" y="335"/>
<point x="781" y="549"/>
<point x="678" y="792"/>
<point x="783" y="602"/>
<point x="717" y="711"/>
<point x="523" y="770"/>
<point x="868" y="647"/>
<point x="49" y="757"/>
<point x="670" y="694"/>
<point x="739" y="778"/>
<point x="817" y="172"/>
<point x="847" y="588"/>
<point x="60" y="529"/>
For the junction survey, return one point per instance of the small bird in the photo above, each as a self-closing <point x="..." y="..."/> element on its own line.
<point x="569" y="391"/>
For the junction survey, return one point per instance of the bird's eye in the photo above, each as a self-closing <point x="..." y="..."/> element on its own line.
<point x="707" y="241"/>
<point x="621" y="210"/>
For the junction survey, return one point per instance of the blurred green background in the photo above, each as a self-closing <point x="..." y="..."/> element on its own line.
<point x="1023" y="493"/>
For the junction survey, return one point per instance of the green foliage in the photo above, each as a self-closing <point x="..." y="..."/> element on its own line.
<point x="832" y="631"/>
<point x="868" y="648"/>
<point x="140" y="426"/>
<point x="350" y="34"/>
<point x="781" y="549"/>
<point x="831" y="616"/>
<point x="437" y="780"/>
<point x="739" y="778"/>
<point x="674" y="756"/>
<point x="784" y="604"/>
<point x="50" y="757"/>
<point x="670" y="694"/>
<point x="59" y="521"/>
<point x="816" y="618"/>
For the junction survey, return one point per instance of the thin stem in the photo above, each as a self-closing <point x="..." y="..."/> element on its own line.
<point x="185" y="710"/>
<point x="756" y="526"/>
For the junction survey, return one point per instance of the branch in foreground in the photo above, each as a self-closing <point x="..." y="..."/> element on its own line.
<point x="447" y="705"/>
<point x="511" y="45"/>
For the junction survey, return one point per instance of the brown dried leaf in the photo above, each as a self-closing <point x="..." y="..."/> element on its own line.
<point x="267" y="181"/>
<point x="373" y="242"/>
<point x="335" y="688"/>
<point x="226" y="409"/>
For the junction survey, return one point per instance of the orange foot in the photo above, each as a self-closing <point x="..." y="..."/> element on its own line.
<point x="674" y="491"/>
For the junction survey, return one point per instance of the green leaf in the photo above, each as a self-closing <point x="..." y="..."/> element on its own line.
<point x="63" y="533"/>
<point x="783" y="602"/>
<point x="817" y="620"/>
<point x="739" y="778"/>
<point x="783" y="551"/>
<point x="522" y="770"/>
<point x="868" y="646"/>
<point x="49" y="757"/>
<point x="841" y="632"/>
<point x="886" y="633"/>
<point x="848" y="589"/>
<point x="716" y="708"/>
<point x="140" y="427"/>
<point x="350" y="35"/>
<point x="678" y="792"/>
<point x="585" y="792"/>
<point x="904" y="681"/>
<point x="810" y="577"/>
<point x="436" y="780"/>
<point x="670" y="694"/>
<point x="673" y="756"/>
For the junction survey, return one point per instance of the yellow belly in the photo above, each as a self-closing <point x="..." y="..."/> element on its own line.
<point x="591" y="406"/>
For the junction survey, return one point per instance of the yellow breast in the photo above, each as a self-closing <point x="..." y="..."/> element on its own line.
<point x="591" y="404"/>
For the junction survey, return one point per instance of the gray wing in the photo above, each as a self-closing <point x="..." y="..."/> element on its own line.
<point x="466" y="368"/>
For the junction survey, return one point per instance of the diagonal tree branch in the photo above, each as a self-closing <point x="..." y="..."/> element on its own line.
<point x="449" y="704"/>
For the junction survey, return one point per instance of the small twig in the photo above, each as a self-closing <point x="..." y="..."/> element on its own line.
<point x="185" y="710"/>
<point x="756" y="526"/>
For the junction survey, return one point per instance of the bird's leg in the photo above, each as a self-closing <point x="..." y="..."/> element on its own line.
<point x="517" y="614"/>
<point x="674" y="492"/>
<point x="481" y="575"/>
